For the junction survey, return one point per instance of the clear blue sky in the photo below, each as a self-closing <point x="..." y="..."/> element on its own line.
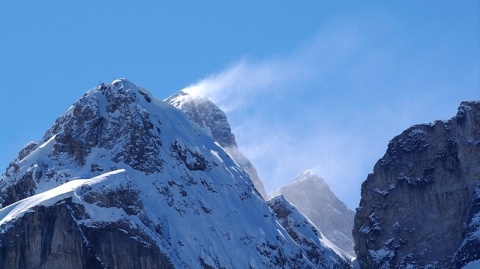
<point x="317" y="85"/>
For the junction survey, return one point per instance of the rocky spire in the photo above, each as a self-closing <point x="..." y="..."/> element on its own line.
<point x="213" y="120"/>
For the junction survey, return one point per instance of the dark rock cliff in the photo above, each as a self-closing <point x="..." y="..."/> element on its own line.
<point x="418" y="207"/>
<point x="50" y="237"/>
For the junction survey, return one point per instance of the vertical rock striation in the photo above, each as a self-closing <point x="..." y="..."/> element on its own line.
<point x="419" y="207"/>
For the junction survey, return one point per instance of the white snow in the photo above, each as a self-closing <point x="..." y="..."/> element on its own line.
<point x="214" y="213"/>
<point x="47" y="198"/>
<point x="472" y="265"/>
<point x="52" y="196"/>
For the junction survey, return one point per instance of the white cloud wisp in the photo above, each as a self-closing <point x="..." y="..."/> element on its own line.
<point x="333" y="104"/>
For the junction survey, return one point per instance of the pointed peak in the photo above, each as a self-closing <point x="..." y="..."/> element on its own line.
<point x="307" y="175"/>
<point x="185" y="98"/>
<point x="122" y="83"/>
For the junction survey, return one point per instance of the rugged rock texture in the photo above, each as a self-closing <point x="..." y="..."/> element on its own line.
<point x="470" y="248"/>
<point x="419" y="207"/>
<point x="123" y="180"/>
<point x="312" y="196"/>
<point x="308" y="237"/>
<point x="213" y="120"/>
<point x="50" y="237"/>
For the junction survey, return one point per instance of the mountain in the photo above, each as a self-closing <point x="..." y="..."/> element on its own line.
<point x="209" y="117"/>
<point x="420" y="208"/>
<point x="319" y="250"/>
<point x="123" y="180"/>
<point x="313" y="197"/>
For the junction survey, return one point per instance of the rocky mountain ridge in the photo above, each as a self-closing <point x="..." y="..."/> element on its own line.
<point x="209" y="117"/>
<point x="123" y="180"/>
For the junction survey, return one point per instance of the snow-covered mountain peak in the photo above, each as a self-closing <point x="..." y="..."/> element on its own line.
<point x="211" y="119"/>
<point x="319" y="249"/>
<point x="206" y="115"/>
<point x="308" y="178"/>
<point x="124" y="171"/>
<point x="180" y="98"/>
<point x="115" y="125"/>
<point x="313" y="197"/>
<point x="307" y="175"/>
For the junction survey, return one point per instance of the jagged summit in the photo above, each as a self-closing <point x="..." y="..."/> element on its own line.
<point x="309" y="176"/>
<point x="306" y="175"/>
<point x="125" y="172"/>
<point x="313" y="197"/>
<point x="206" y="115"/>
<point x="210" y="118"/>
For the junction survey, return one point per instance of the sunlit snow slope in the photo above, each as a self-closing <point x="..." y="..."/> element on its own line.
<point x="123" y="180"/>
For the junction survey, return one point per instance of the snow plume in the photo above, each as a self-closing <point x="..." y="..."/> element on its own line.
<point x="234" y="87"/>
<point x="333" y="104"/>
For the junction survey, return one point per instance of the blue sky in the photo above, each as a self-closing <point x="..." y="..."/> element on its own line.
<point x="320" y="85"/>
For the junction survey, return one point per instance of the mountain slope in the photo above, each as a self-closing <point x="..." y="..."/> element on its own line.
<point x="312" y="196"/>
<point x="420" y="206"/>
<point x="123" y="180"/>
<point x="319" y="250"/>
<point x="213" y="120"/>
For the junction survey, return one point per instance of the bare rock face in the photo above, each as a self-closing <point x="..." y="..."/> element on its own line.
<point x="469" y="249"/>
<point x="50" y="237"/>
<point x="313" y="197"/>
<point x="419" y="207"/>
<point x="213" y="120"/>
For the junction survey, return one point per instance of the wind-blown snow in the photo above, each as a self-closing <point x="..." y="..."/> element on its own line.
<point x="181" y="189"/>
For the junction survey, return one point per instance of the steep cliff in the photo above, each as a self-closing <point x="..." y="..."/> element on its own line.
<point x="313" y="197"/>
<point x="56" y="234"/>
<point x="420" y="205"/>
<point x="123" y="180"/>
<point x="213" y="120"/>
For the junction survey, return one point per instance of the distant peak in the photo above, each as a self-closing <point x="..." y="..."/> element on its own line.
<point x="307" y="175"/>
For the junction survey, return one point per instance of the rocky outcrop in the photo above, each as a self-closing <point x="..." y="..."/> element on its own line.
<point x="123" y="180"/>
<point x="419" y="207"/>
<point x="108" y="120"/>
<point x="208" y="116"/>
<point x="313" y="197"/>
<point x="50" y="237"/>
